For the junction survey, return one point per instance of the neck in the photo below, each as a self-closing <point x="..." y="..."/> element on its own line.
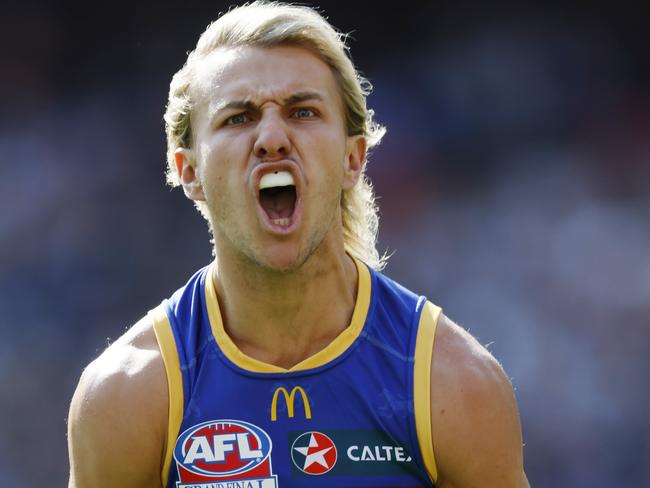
<point x="282" y="318"/>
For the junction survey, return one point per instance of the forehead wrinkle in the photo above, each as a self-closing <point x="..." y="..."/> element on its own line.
<point x="222" y="81"/>
<point x="211" y="72"/>
<point x="223" y="68"/>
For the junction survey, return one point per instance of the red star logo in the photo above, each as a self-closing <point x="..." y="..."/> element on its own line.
<point x="314" y="453"/>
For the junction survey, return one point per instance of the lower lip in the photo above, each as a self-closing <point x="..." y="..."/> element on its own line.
<point x="278" y="229"/>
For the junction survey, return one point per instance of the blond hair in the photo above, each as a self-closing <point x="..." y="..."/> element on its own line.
<point x="267" y="24"/>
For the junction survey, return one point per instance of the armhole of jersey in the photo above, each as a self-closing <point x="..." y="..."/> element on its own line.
<point x="422" y="385"/>
<point x="167" y="344"/>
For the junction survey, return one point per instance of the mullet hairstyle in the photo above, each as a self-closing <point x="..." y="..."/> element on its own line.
<point x="267" y="24"/>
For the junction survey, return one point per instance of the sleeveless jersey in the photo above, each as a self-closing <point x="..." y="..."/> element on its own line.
<point x="355" y="414"/>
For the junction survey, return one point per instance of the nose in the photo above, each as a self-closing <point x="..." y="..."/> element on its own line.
<point x="272" y="138"/>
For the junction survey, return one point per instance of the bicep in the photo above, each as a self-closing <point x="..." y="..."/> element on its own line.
<point x="475" y="422"/>
<point x="114" y="439"/>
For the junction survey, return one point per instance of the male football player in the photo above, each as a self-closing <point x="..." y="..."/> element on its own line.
<point x="290" y="360"/>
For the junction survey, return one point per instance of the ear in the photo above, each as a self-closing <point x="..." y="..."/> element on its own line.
<point x="188" y="174"/>
<point x="355" y="159"/>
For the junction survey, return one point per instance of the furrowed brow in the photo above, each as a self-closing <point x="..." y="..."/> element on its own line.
<point x="249" y="106"/>
<point x="245" y="105"/>
<point x="303" y="97"/>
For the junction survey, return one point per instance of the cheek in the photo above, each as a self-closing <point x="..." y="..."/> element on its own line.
<point x="220" y="168"/>
<point x="330" y="149"/>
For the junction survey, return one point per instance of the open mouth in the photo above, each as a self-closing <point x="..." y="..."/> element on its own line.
<point x="277" y="197"/>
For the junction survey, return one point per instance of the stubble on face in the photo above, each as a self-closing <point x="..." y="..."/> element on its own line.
<point x="241" y="249"/>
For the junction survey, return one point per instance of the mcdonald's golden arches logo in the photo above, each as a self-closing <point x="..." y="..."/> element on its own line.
<point x="289" y="399"/>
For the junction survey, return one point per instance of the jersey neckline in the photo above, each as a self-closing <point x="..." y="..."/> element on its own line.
<point x="332" y="351"/>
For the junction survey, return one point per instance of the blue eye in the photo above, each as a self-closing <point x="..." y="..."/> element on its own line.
<point x="304" y="113"/>
<point x="237" y="119"/>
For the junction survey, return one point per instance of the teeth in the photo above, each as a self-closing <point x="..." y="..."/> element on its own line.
<point x="283" y="222"/>
<point x="279" y="178"/>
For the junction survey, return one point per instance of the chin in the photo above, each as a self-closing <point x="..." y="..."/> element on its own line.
<point x="282" y="264"/>
<point x="283" y="258"/>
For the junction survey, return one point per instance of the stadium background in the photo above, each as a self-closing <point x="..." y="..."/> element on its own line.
<point x="513" y="179"/>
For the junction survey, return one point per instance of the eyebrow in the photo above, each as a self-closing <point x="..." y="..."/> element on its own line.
<point x="249" y="106"/>
<point x="303" y="97"/>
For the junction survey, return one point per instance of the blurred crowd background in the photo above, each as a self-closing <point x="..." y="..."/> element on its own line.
<point x="514" y="186"/>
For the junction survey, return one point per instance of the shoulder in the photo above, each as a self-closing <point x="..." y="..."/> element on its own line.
<point x="461" y="363"/>
<point x="118" y="415"/>
<point x="475" y="422"/>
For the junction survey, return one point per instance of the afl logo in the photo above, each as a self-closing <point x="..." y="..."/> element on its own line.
<point x="313" y="453"/>
<point x="222" y="449"/>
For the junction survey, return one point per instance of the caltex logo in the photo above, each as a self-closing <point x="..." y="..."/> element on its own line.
<point x="313" y="453"/>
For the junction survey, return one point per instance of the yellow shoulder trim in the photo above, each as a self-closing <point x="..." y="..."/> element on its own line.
<point x="337" y="347"/>
<point x="422" y="385"/>
<point x="167" y="344"/>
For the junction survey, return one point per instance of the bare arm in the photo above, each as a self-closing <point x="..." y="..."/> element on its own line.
<point x="475" y="423"/>
<point x="118" y="416"/>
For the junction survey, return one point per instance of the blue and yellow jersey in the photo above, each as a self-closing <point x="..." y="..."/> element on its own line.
<point x="355" y="414"/>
